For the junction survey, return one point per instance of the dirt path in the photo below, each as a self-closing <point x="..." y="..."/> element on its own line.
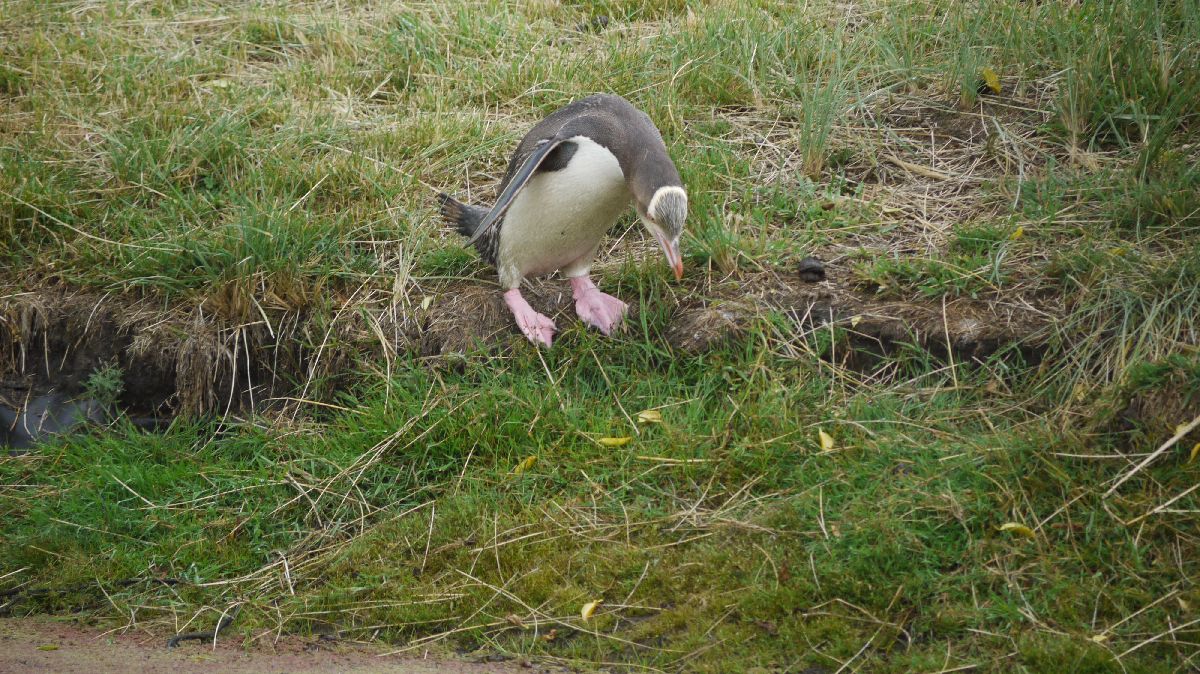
<point x="43" y="645"/>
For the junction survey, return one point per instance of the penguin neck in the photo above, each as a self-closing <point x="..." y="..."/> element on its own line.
<point x="650" y="177"/>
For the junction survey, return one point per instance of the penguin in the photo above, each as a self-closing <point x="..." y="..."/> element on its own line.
<point x="568" y="181"/>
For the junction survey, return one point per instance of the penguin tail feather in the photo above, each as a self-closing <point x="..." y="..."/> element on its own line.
<point x="464" y="218"/>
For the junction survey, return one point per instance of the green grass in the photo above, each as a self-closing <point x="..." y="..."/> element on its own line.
<point x="279" y="160"/>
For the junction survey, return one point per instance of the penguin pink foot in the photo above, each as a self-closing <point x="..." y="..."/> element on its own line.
<point x="536" y="327"/>
<point x="599" y="310"/>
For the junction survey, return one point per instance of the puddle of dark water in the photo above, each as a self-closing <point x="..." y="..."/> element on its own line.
<point x="38" y="419"/>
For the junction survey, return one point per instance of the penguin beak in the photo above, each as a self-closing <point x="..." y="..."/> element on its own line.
<point x="671" y="250"/>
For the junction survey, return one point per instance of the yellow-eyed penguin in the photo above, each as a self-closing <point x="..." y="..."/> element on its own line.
<point x="567" y="183"/>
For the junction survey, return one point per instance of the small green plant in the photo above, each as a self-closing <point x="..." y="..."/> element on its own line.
<point x="980" y="240"/>
<point x="105" y="384"/>
<point x="453" y="261"/>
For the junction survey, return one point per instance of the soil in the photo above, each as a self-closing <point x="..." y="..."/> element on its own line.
<point x="45" y="645"/>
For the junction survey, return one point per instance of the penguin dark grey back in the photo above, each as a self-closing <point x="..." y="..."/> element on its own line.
<point x="567" y="183"/>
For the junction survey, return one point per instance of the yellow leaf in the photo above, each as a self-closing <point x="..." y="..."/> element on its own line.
<point x="1100" y="638"/>
<point x="1018" y="233"/>
<point x="615" y="442"/>
<point x="1018" y="529"/>
<point x="426" y="302"/>
<point x="650" y="417"/>
<point x="826" y="440"/>
<point x="48" y="647"/>
<point x="590" y="608"/>
<point x="1195" y="452"/>
<point x="1179" y="429"/>
<point x="991" y="79"/>
<point x="1119" y="251"/>
<point x="524" y="465"/>
<point x="855" y="321"/>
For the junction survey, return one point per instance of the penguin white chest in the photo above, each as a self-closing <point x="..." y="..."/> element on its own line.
<point x="559" y="217"/>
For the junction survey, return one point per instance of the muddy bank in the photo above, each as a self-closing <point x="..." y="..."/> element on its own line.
<point x="195" y="361"/>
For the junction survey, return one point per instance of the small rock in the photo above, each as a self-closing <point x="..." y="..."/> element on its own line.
<point x="812" y="270"/>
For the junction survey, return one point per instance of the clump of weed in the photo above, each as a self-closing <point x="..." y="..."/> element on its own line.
<point x="105" y="384"/>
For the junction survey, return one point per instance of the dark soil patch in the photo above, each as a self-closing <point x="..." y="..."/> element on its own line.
<point x="470" y="316"/>
<point x="966" y="330"/>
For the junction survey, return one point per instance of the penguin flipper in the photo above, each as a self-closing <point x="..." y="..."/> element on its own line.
<point x="519" y="178"/>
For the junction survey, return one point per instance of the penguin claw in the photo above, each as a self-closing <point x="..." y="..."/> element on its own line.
<point x="600" y="310"/>
<point x="537" y="329"/>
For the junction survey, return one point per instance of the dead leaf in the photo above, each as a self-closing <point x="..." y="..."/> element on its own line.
<point x="551" y="635"/>
<point x="590" y="608"/>
<point x="524" y="465"/>
<point x="650" y="417"/>
<point x="991" y="79"/>
<point x="855" y="320"/>
<point x="515" y="620"/>
<point x="1100" y="638"/>
<point x="615" y="442"/>
<point x="1017" y="528"/>
<point x="826" y="440"/>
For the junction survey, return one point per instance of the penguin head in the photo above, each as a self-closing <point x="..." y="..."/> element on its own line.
<point x="664" y="216"/>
